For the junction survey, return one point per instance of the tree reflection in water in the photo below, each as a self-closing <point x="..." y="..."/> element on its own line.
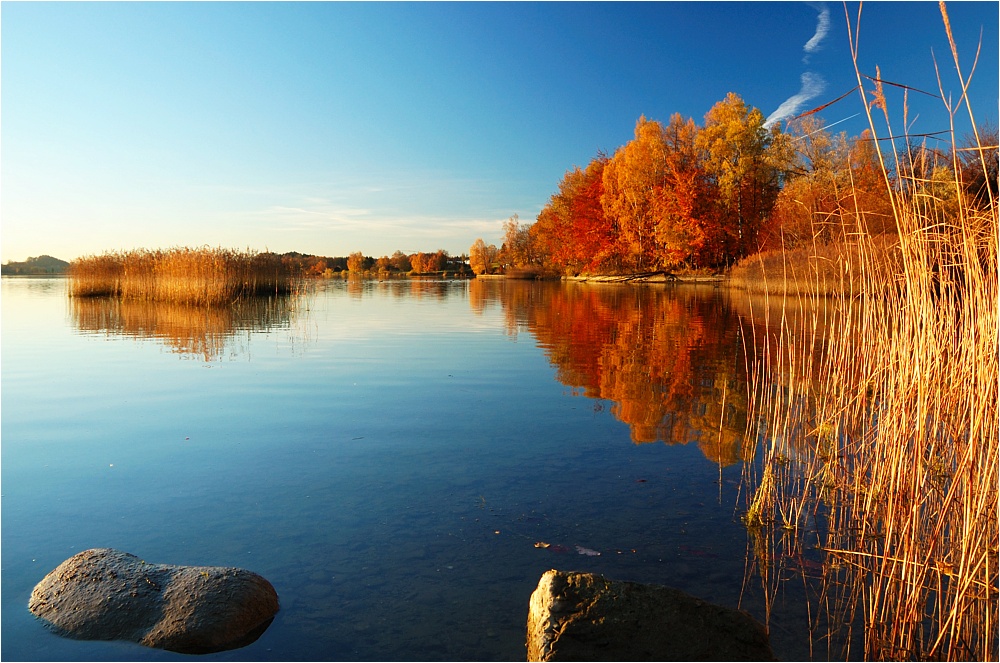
<point x="669" y="358"/>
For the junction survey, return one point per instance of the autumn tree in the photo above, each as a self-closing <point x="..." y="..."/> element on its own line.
<point x="437" y="261"/>
<point x="630" y="181"/>
<point x="872" y="188"/>
<point x="383" y="265"/>
<point x="746" y="162"/>
<point x="482" y="257"/>
<point x="662" y="200"/>
<point x="811" y="203"/>
<point x="517" y="250"/>
<point x="400" y="261"/>
<point x="571" y="232"/>
<point x="423" y="263"/>
<point x="419" y="262"/>
<point x="356" y="262"/>
<point x="688" y="228"/>
<point x="317" y="268"/>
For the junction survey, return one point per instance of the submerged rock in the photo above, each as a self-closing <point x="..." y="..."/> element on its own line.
<point x="585" y="617"/>
<point x="106" y="594"/>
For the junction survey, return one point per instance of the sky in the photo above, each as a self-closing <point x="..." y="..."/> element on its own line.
<point x="329" y="128"/>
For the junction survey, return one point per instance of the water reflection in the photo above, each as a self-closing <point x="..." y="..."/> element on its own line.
<point x="38" y="285"/>
<point x="670" y="359"/>
<point x="194" y="331"/>
<point x="406" y="287"/>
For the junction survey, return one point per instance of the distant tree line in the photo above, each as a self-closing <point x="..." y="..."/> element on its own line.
<point x="35" y="266"/>
<point x="398" y="263"/>
<point x="683" y="195"/>
<point x="304" y="264"/>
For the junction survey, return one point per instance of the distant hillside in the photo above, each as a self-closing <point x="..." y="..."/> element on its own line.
<point x="39" y="265"/>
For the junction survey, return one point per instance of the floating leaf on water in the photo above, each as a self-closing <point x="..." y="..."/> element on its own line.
<point x="696" y="552"/>
<point x="542" y="544"/>
<point x="587" y="551"/>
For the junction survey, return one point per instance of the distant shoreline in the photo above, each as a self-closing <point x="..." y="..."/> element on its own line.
<point x="658" y="277"/>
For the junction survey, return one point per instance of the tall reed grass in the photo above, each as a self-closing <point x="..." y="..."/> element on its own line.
<point x="885" y="430"/>
<point x="820" y="268"/>
<point x="180" y="275"/>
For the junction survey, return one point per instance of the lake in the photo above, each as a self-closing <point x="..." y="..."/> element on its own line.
<point x="387" y="454"/>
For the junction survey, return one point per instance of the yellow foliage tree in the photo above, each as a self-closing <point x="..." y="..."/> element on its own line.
<point x="481" y="256"/>
<point x="746" y="161"/>
<point x="631" y="178"/>
<point x="356" y="262"/>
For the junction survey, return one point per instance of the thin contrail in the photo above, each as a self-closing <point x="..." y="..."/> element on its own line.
<point x="850" y="117"/>
<point x="824" y="128"/>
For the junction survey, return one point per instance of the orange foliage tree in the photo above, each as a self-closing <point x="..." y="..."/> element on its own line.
<point x="518" y="249"/>
<point x="356" y="262"/>
<point x="818" y="179"/>
<point x="672" y="196"/>
<point x="631" y="180"/>
<point x="572" y="233"/>
<point x="689" y="228"/>
<point x="423" y="263"/>
<point x="871" y="187"/>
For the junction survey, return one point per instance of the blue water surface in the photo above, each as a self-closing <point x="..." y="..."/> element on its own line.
<point x="386" y="454"/>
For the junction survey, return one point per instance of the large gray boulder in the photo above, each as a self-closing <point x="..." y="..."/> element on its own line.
<point x="585" y="617"/>
<point x="106" y="594"/>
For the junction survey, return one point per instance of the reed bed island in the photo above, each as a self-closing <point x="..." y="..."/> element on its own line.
<point x="202" y="276"/>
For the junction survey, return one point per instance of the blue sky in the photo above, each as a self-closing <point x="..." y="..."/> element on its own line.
<point x="328" y="128"/>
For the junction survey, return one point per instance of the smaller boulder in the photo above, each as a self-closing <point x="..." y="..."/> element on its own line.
<point x="106" y="594"/>
<point x="585" y="617"/>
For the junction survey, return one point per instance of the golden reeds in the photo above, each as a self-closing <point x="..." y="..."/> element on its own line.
<point x="824" y="269"/>
<point x="886" y="427"/>
<point x="181" y="275"/>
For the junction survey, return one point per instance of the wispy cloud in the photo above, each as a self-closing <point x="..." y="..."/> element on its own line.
<point x="335" y="213"/>
<point x="822" y="27"/>
<point x="319" y="222"/>
<point x="813" y="84"/>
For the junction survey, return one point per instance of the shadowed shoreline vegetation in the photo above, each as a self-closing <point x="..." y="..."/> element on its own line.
<point x="181" y="275"/>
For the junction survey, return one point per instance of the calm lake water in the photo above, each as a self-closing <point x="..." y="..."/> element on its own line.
<point x="386" y="454"/>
